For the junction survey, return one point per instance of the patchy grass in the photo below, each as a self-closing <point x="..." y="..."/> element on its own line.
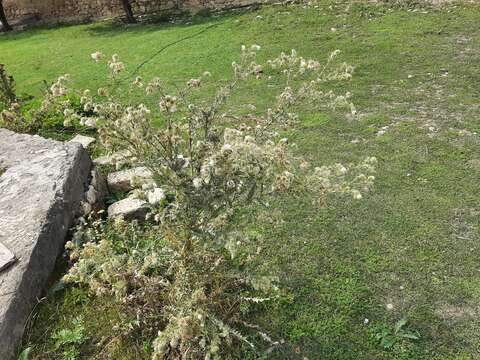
<point x="409" y="249"/>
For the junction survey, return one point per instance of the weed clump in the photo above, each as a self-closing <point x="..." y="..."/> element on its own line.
<point x="194" y="273"/>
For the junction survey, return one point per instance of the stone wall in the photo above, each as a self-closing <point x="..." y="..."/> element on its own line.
<point x="55" y="11"/>
<point x="48" y="11"/>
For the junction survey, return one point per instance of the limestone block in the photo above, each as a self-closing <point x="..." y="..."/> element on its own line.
<point x="40" y="195"/>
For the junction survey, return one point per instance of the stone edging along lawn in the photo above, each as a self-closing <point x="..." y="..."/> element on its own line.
<point x="40" y="195"/>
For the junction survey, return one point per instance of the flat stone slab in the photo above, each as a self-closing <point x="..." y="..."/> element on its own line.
<point x="86" y="141"/>
<point x="6" y="257"/>
<point x="40" y="195"/>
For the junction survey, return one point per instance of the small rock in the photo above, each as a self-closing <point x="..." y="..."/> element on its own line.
<point x="99" y="183"/>
<point x="86" y="208"/>
<point x="155" y="196"/>
<point x="129" y="209"/>
<point x="86" y="141"/>
<point x="112" y="159"/>
<point x="103" y="160"/>
<point x="124" y="180"/>
<point x="6" y="257"/>
<point x="100" y="190"/>
<point x="91" y="195"/>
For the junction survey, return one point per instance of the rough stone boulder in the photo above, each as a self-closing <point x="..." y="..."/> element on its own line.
<point x="40" y="195"/>
<point x="129" y="209"/>
<point x="124" y="180"/>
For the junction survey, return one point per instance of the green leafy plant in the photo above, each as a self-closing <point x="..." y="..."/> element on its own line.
<point x="25" y="354"/>
<point x="68" y="340"/>
<point x="388" y="336"/>
<point x="7" y="87"/>
<point x="44" y="116"/>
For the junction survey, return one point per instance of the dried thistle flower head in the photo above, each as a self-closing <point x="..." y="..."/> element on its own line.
<point x="97" y="56"/>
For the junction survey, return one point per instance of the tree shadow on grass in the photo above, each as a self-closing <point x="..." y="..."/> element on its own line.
<point x="159" y="22"/>
<point x="113" y="27"/>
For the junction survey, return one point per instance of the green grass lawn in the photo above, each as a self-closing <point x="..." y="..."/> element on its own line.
<point x="413" y="243"/>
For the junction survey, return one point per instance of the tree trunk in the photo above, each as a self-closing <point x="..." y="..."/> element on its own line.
<point x="3" y="18"/>
<point x="128" y="11"/>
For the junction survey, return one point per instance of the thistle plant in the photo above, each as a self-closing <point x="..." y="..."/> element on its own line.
<point x="15" y="118"/>
<point x="218" y="169"/>
<point x="7" y="87"/>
